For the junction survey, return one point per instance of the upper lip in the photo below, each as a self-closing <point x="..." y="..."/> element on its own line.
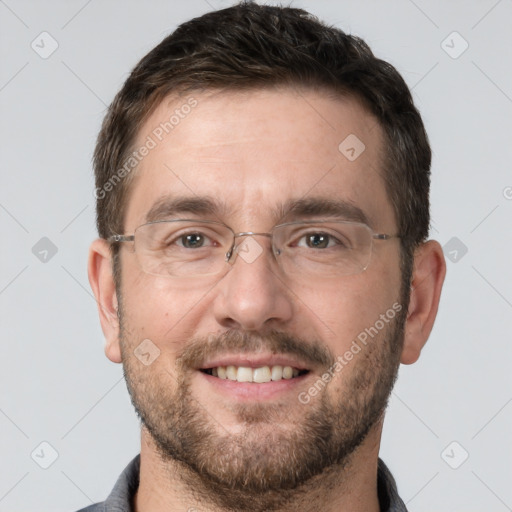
<point x="255" y="361"/>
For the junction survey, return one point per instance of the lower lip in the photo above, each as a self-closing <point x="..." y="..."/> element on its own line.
<point x="251" y="391"/>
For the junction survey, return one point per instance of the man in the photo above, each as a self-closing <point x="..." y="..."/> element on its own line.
<point x="262" y="185"/>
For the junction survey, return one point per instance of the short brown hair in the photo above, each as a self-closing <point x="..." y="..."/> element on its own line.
<point x="255" y="46"/>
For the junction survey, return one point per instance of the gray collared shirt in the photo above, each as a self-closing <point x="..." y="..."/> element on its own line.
<point x="121" y="497"/>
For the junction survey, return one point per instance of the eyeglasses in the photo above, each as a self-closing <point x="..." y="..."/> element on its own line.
<point x="312" y="248"/>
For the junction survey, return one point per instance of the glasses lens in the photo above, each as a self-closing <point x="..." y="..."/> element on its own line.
<point x="187" y="248"/>
<point x="323" y="249"/>
<point x="182" y="248"/>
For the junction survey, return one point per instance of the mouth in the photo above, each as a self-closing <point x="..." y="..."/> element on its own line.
<point x="256" y="375"/>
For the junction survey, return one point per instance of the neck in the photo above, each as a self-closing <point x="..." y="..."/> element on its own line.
<point x="167" y="486"/>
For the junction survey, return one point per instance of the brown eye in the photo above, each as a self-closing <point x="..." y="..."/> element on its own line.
<point x="192" y="240"/>
<point x="317" y="240"/>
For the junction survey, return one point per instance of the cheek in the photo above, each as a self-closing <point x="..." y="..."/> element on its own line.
<point x="342" y="309"/>
<point x="162" y="310"/>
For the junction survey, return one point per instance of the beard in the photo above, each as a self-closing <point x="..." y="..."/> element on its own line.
<point x="275" y="451"/>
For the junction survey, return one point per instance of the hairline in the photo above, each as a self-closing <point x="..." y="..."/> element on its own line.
<point x="328" y="91"/>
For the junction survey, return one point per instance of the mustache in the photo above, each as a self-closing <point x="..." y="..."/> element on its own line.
<point x="199" y="350"/>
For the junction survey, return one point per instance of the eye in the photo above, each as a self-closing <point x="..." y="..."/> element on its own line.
<point x="318" y="240"/>
<point x="192" y="240"/>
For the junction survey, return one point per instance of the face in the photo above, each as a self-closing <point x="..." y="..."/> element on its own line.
<point x="252" y="155"/>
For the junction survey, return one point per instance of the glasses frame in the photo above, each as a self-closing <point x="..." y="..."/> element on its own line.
<point x="375" y="236"/>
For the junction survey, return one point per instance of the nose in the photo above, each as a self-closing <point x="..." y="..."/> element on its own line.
<point x="253" y="295"/>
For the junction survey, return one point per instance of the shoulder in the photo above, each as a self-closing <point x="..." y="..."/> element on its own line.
<point x="120" y="499"/>
<point x="97" y="507"/>
<point x="389" y="498"/>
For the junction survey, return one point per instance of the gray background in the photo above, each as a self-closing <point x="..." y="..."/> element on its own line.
<point x="56" y="384"/>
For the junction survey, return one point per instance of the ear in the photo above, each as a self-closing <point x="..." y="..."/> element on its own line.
<point x="102" y="284"/>
<point x="427" y="282"/>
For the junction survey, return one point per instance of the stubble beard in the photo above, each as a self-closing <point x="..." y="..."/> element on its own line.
<point x="265" y="463"/>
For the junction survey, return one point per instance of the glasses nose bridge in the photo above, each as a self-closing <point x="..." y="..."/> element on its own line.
<point x="234" y="246"/>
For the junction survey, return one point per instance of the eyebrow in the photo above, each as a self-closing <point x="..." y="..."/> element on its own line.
<point x="323" y="207"/>
<point x="168" y="207"/>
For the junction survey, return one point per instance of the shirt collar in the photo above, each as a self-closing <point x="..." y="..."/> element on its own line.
<point x="121" y="497"/>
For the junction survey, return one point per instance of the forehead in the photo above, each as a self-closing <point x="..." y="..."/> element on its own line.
<point x="252" y="155"/>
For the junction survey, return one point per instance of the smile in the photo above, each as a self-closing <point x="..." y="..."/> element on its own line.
<point x="258" y="375"/>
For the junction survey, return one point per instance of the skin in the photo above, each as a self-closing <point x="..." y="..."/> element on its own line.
<point x="253" y="151"/>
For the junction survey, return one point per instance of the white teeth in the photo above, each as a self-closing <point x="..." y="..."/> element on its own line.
<point x="287" y="372"/>
<point x="277" y="372"/>
<point x="231" y="372"/>
<point x="244" y="374"/>
<point x="259" y="375"/>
